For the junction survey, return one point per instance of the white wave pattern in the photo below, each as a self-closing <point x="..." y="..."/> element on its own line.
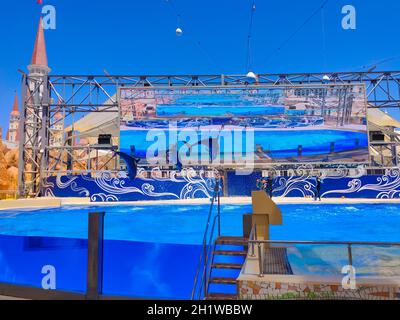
<point x="344" y="172"/>
<point x="103" y="197"/>
<point x="71" y="184"/>
<point x="48" y="192"/>
<point x="148" y="190"/>
<point x="116" y="186"/>
<point x="387" y="186"/>
<point x="298" y="180"/>
<point x="195" y="184"/>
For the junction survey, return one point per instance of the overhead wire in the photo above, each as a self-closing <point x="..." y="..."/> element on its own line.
<point x="296" y="31"/>
<point x="190" y="36"/>
<point x="324" y="47"/>
<point x="249" y="38"/>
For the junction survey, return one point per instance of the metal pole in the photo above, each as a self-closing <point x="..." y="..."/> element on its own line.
<point x="260" y="262"/>
<point x="254" y="237"/>
<point x="95" y="256"/>
<point x="350" y="254"/>
<point x="219" y="208"/>
<point x="22" y="137"/>
<point x="205" y="270"/>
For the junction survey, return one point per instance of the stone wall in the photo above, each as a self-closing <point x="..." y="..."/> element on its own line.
<point x="270" y="290"/>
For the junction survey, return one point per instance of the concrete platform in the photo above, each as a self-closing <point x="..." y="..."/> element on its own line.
<point x="57" y="202"/>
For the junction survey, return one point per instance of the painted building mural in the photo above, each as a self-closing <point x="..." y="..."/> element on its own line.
<point x="300" y="124"/>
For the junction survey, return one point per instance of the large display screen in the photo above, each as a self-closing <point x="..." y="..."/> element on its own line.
<point x="285" y="125"/>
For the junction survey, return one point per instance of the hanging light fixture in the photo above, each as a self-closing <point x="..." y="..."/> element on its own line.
<point x="251" y="75"/>
<point x="326" y="78"/>
<point x="178" y="32"/>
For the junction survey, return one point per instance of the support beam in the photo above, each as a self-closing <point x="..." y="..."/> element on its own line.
<point x="94" y="287"/>
<point x="73" y="95"/>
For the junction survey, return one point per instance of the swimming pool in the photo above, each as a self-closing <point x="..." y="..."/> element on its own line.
<point x="276" y="143"/>
<point x="152" y="250"/>
<point x="199" y="110"/>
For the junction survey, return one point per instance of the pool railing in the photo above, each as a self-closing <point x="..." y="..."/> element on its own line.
<point x="200" y="284"/>
<point x="261" y="244"/>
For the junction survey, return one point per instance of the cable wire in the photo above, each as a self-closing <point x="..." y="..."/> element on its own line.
<point x="249" y="36"/>
<point x="292" y="35"/>
<point x="196" y="42"/>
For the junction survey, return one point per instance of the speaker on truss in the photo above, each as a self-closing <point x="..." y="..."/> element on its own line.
<point x="377" y="136"/>
<point x="104" y="139"/>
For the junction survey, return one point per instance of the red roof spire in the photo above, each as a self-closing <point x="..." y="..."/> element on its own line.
<point x="39" y="56"/>
<point x="15" y="110"/>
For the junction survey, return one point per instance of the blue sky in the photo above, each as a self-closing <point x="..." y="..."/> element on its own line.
<point x="138" y="37"/>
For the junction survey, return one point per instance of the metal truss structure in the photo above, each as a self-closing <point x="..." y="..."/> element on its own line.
<point x="73" y="96"/>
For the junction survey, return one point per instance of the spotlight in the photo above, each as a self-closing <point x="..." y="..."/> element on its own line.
<point x="178" y="32"/>
<point x="251" y="75"/>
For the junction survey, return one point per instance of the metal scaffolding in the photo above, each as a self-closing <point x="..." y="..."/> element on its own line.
<point x="73" y="96"/>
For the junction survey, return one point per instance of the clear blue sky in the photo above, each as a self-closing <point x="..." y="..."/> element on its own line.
<point x="138" y="37"/>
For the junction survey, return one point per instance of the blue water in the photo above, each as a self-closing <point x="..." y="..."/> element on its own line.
<point x="152" y="251"/>
<point x="295" y="120"/>
<point x="277" y="144"/>
<point x="210" y="98"/>
<point x="185" y="223"/>
<point x="199" y="110"/>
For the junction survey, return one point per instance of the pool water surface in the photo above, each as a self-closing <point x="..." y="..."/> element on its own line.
<point x="152" y="251"/>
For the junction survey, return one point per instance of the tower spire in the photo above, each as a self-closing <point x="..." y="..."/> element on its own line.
<point x="38" y="66"/>
<point x="39" y="56"/>
<point x="15" y="105"/>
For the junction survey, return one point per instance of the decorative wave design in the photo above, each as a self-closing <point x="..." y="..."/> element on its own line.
<point x="297" y="181"/>
<point x="385" y="187"/>
<point x="189" y="184"/>
<point x="102" y="197"/>
<point x="107" y="187"/>
<point x="72" y="184"/>
<point x="339" y="182"/>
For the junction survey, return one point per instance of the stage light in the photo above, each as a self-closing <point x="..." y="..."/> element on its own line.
<point x="326" y="78"/>
<point x="251" y="75"/>
<point x="179" y="32"/>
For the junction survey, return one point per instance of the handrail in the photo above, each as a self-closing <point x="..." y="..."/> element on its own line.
<point x="327" y="242"/>
<point x="206" y="275"/>
<point x="253" y="241"/>
<point x="204" y="251"/>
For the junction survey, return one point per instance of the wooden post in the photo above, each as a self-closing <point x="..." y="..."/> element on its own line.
<point x="332" y="147"/>
<point x="247" y="224"/>
<point x="225" y="184"/>
<point x="95" y="256"/>
<point x="299" y="150"/>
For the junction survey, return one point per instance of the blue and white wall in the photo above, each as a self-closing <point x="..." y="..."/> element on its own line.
<point x="296" y="184"/>
<point x="299" y="184"/>
<point x="108" y="188"/>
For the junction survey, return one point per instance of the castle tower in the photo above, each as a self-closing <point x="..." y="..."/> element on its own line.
<point x="13" y="132"/>
<point x="38" y="66"/>
<point x="57" y="131"/>
<point x="35" y="131"/>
